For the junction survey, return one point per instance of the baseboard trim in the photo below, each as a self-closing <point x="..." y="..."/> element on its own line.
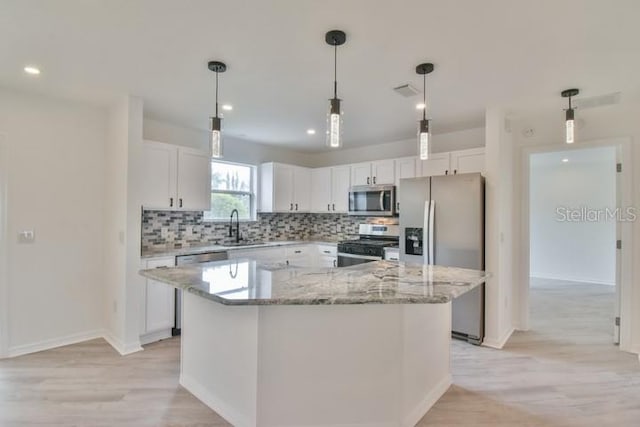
<point x="54" y="343"/>
<point x="429" y="400"/>
<point x="499" y="343"/>
<point x="155" y="336"/>
<point x="571" y="279"/>
<point x="201" y="393"/>
<point x="120" y="347"/>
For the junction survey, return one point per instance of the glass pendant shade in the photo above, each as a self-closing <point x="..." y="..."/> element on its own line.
<point x="334" y="124"/>
<point x="570" y="127"/>
<point x="424" y="143"/>
<point x="215" y="139"/>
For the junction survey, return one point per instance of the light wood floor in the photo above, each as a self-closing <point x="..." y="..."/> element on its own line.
<point x="564" y="372"/>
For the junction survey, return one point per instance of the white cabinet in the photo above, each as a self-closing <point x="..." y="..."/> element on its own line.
<point x="274" y="254"/>
<point x="406" y="168"/>
<point x="158" y="304"/>
<point x="437" y="164"/>
<point x="330" y="189"/>
<point x="454" y="162"/>
<point x="373" y="173"/>
<point x="284" y="188"/>
<point x="392" y="254"/>
<point x="468" y="161"/>
<point x="176" y="178"/>
<point x="327" y="256"/>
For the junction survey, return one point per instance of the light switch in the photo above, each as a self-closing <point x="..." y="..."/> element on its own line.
<point x="26" y="236"/>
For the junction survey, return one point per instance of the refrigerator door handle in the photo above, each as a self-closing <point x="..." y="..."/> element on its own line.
<point x="425" y="232"/>
<point x="432" y="211"/>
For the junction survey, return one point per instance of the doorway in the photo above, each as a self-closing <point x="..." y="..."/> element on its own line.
<point x="573" y="219"/>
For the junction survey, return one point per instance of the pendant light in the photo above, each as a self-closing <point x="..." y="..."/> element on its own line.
<point x="335" y="38"/>
<point x="424" y="134"/>
<point x="215" y="139"/>
<point x="569" y="116"/>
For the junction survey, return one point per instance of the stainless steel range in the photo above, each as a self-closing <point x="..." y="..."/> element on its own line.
<point x="370" y="246"/>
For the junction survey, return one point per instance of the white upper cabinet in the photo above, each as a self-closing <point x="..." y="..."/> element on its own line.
<point x="284" y="188"/>
<point x="406" y="168"/>
<point x="383" y="172"/>
<point x="340" y="183"/>
<point x="468" y="161"/>
<point x="321" y="194"/>
<point x="194" y="180"/>
<point x="175" y="177"/>
<point x="361" y="174"/>
<point x="330" y="189"/>
<point x="373" y="173"/>
<point x="437" y="164"/>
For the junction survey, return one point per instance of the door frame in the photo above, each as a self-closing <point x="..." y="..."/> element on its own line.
<point x="624" y="230"/>
<point x="4" y="284"/>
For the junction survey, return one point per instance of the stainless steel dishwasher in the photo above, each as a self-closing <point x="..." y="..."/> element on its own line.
<point x="182" y="260"/>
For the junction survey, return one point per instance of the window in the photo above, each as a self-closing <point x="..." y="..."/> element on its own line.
<point x="232" y="187"/>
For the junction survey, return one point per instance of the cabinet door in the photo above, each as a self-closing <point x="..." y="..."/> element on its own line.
<point x="340" y="183"/>
<point x="438" y="164"/>
<point x="282" y="188"/>
<point x="361" y="174"/>
<point x="301" y="189"/>
<point x="159" y="175"/>
<point x="468" y="161"/>
<point x="327" y="261"/>
<point x="321" y="190"/>
<point x="383" y="172"/>
<point x="159" y="300"/>
<point x="194" y="180"/>
<point x="405" y="168"/>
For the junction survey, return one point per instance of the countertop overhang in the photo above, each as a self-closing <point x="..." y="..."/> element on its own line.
<point x="249" y="282"/>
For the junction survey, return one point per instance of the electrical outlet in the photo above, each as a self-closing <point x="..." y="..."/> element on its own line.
<point x="27" y="236"/>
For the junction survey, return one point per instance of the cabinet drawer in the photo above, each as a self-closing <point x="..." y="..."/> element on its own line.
<point x="298" y="251"/>
<point x="328" y="250"/>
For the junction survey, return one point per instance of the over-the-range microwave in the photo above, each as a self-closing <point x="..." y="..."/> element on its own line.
<point x="372" y="200"/>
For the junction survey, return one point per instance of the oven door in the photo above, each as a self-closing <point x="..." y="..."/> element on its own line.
<point x="372" y="200"/>
<point x="345" y="260"/>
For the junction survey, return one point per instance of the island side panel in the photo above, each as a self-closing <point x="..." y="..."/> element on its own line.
<point x="330" y="365"/>
<point x="426" y="358"/>
<point x="219" y="357"/>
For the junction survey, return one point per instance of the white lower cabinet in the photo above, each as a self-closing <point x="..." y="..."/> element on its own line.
<point x="302" y="255"/>
<point x="159" y="305"/>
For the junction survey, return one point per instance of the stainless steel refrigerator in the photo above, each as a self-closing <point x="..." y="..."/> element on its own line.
<point x="442" y="223"/>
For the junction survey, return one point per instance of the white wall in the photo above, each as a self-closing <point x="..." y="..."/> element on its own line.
<point x="234" y="150"/>
<point x="581" y="251"/>
<point x="55" y="173"/>
<point x="609" y="123"/>
<point x="471" y="138"/>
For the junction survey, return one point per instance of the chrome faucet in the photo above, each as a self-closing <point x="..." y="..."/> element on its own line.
<point x="235" y="211"/>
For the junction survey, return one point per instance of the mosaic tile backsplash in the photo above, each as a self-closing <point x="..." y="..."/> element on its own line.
<point x="161" y="229"/>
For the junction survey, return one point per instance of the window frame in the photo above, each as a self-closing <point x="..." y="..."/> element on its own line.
<point x="253" y="195"/>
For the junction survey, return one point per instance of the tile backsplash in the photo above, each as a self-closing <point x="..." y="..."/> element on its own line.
<point x="161" y="229"/>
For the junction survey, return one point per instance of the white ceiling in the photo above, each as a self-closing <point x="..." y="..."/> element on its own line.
<point x="487" y="53"/>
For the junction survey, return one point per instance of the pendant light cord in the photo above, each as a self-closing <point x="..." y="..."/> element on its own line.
<point x="216" y="94"/>
<point x="335" y="70"/>
<point x="424" y="96"/>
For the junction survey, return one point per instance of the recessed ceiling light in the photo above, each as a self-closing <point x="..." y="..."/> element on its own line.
<point x="420" y="106"/>
<point x="227" y="107"/>
<point x="31" y="70"/>
<point x="565" y="160"/>
<point x="311" y="131"/>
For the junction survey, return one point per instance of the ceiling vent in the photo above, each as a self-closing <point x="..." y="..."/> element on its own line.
<point x="597" y="101"/>
<point x="406" y="90"/>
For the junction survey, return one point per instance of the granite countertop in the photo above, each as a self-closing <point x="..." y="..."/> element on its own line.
<point x="249" y="282"/>
<point x="192" y="250"/>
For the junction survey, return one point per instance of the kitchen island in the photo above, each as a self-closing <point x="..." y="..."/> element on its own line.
<point x="285" y="345"/>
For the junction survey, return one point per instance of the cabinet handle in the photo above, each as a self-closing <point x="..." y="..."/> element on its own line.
<point x="455" y="171"/>
<point x="446" y="172"/>
<point x="327" y="252"/>
<point x="297" y="252"/>
<point x="291" y="207"/>
<point x="287" y="262"/>
<point x="334" y="206"/>
<point x="374" y="179"/>
<point x="334" y="263"/>
<point x="170" y="202"/>
<point x="296" y="206"/>
<point x="180" y="202"/>
<point x="328" y="206"/>
<point x="368" y="180"/>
